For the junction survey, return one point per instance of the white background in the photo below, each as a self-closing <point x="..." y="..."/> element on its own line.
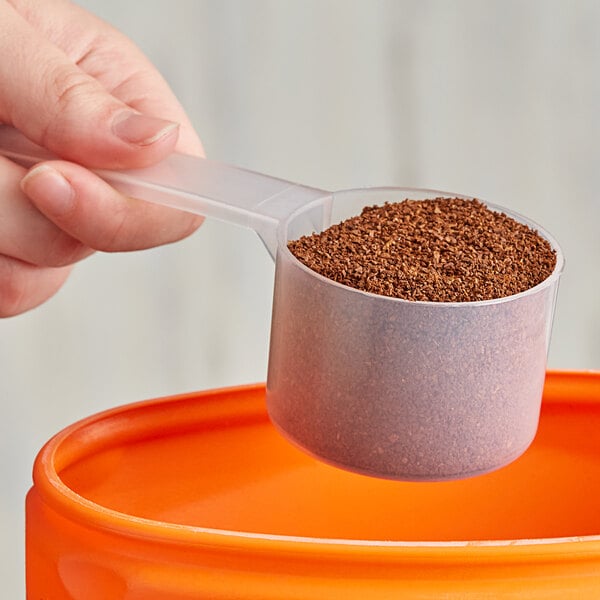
<point x="497" y="99"/>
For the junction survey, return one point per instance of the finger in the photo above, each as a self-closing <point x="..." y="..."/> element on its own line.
<point x="60" y="106"/>
<point x="91" y="211"/>
<point x="25" y="233"/>
<point x="114" y="60"/>
<point x="119" y="65"/>
<point x="24" y="286"/>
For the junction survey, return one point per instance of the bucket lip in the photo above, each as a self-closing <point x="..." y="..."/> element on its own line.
<point x="551" y="280"/>
<point x="75" y="507"/>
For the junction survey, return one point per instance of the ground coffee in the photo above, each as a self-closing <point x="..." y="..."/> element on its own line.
<point x="440" y="250"/>
<point x="405" y="389"/>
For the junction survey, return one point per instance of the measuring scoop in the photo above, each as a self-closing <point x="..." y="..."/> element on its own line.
<point x="408" y="390"/>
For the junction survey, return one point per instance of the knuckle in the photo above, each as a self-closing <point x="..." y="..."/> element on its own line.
<point x="68" y="87"/>
<point x="66" y="91"/>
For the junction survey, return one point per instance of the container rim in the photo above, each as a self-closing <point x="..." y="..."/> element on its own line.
<point x="549" y="281"/>
<point x="73" y="506"/>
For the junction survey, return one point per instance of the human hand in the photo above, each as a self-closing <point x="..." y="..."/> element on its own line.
<point x="75" y="85"/>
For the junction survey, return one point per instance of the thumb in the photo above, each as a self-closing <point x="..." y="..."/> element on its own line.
<point x="59" y="106"/>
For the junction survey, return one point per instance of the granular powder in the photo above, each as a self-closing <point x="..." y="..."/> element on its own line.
<point x="441" y="250"/>
<point x="410" y="390"/>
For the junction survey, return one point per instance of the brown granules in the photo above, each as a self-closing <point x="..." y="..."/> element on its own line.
<point x="409" y="390"/>
<point x="441" y="250"/>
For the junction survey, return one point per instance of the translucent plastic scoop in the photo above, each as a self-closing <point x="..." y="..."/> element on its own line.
<point x="377" y="385"/>
<point x="195" y="185"/>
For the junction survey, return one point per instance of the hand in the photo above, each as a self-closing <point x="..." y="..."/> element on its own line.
<point x="75" y="85"/>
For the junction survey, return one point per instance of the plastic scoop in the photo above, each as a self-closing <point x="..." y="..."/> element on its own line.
<point x="377" y="385"/>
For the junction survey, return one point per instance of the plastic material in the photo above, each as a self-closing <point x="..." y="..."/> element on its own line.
<point x="382" y="386"/>
<point x="197" y="185"/>
<point x="408" y="390"/>
<point x="197" y="496"/>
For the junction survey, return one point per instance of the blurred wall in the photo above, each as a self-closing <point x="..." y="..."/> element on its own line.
<point x="497" y="99"/>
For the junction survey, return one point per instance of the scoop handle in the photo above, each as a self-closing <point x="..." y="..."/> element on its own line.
<point x="197" y="185"/>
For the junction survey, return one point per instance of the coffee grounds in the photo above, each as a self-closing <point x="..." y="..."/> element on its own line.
<point x="440" y="250"/>
<point x="415" y="391"/>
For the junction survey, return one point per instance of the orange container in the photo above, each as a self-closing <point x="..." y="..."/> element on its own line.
<point x="198" y="496"/>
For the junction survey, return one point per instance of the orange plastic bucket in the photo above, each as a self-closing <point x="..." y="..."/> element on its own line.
<point x="198" y="496"/>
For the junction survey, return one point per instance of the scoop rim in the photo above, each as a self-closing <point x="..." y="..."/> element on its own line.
<point x="283" y="252"/>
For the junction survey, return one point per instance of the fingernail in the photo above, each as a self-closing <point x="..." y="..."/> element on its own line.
<point x="49" y="188"/>
<point x="142" y="130"/>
